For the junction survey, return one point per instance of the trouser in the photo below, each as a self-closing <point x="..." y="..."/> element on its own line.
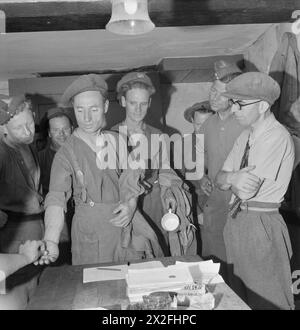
<point x="95" y="239"/>
<point x="258" y="250"/>
<point x="21" y="285"/>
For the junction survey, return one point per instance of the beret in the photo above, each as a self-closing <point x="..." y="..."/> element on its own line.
<point x="224" y="69"/>
<point x="253" y="86"/>
<point x="135" y="77"/>
<point x="9" y="106"/>
<point x="57" y="112"/>
<point x="189" y="112"/>
<point x="84" y="83"/>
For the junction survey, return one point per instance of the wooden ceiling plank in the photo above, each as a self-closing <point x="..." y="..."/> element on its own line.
<point x="83" y="15"/>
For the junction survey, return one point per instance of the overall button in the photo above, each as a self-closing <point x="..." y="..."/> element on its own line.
<point x="92" y="203"/>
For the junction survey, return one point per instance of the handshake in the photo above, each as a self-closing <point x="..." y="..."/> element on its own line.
<point x="39" y="252"/>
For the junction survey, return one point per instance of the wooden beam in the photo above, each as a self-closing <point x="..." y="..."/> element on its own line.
<point x="193" y="69"/>
<point x="82" y="15"/>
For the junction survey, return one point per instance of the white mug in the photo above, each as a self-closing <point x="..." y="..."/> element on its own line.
<point x="170" y="221"/>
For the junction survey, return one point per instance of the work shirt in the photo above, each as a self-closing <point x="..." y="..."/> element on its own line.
<point x="46" y="157"/>
<point x="20" y="187"/>
<point x="219" y="137"/>
<point x="103" y="186"/>
<point x="76" y="171"/>
<point x="272" y="153"/>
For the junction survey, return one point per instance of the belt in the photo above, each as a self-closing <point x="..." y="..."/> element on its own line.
<point x="260" y="206"/>
<point x="20" y="217"/>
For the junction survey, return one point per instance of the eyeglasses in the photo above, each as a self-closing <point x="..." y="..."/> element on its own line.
<point x="241" y="105"/>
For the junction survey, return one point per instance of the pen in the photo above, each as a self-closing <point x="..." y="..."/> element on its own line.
<point x="113" y="269"/>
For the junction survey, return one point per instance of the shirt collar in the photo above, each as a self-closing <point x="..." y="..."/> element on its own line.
<point x="263" y="127"/>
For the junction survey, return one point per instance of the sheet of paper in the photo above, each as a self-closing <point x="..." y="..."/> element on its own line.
<point x="104" y="273"/>
<point x="146" y="265"/>
<point x="205" y="271"/>
<point x="117" y="272"/>
<point x="158" y="277"/>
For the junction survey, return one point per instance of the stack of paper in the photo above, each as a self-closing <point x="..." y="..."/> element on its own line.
<point x="117" y="272"/>
<point x="142" y="282"/>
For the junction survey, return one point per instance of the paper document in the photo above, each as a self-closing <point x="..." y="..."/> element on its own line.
<point x="116" y="272"/>
<point x="206" y="272"/>
<point x="159" y="277"/>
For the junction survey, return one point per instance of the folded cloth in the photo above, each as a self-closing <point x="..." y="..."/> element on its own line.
<point x="138" y="234"/>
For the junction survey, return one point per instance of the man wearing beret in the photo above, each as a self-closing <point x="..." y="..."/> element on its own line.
<point x="163" y="185"/>
<point x="21" y="201"/>
<point x="59" y="126"/>
<point x="220" y="132"/>
<point x="105" y="197"/>
<point x="197" y="114"/>
<point x="257" y="173"/>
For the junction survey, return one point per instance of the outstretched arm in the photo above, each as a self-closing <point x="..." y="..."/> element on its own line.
<point x="29" y="252"/>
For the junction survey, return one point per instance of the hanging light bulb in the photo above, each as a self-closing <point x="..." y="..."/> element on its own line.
<point x="130" y="17"/>
<point x="130" y="6"/>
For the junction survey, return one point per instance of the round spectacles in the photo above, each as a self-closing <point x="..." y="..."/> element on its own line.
<point x="241" y="105"/>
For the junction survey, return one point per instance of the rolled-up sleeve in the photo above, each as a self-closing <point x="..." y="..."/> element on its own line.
<point x="60" y="188"/>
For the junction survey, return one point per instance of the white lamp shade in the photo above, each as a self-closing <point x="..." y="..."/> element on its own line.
<point x="130" y="17"/>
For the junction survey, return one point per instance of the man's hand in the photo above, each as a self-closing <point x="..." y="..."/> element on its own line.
<point x="206" y="185"/>
<point x="169" y="201"/>
<point x="31" y="250"/>
<point x="125" y="212"/>
<point x="50" y="253"/>
<point x="244" y="182"/>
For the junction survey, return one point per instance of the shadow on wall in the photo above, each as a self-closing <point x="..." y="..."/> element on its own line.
<point x="166" y="101"/>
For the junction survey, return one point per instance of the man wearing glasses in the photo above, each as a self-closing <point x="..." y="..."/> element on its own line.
<point x="257" y="171"/>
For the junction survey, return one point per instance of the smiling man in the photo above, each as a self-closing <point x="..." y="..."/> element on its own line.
<point x="164" y="187"/>
<point x="59" y="129"/>
<point x="257" y="171"/>
<point x="220" y="132"/>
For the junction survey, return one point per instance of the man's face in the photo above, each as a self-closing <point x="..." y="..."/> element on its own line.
<point x="90" y="109"/>
<point x="218" y="102"/>
<point x="137" y="102"/>
<point x="245" y="114"/>
<point x="20" y="129"/>
<point x="59" y="130"/>
<point x="199" y="119"/>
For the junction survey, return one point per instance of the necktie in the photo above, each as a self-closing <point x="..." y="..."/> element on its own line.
<point x="235" y="207"/>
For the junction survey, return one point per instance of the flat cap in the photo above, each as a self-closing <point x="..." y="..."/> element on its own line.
<point x="135" y="77"/>
<point x="253" y="86"/>
<point x="200" y="106"/>
<point x="224" y="69"/>
<point x="58" y="112"/>
<point x="84" y="83"/>
<point x="9" y="106"/>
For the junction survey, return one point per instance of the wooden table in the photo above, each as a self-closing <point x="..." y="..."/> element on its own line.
<point x="62" y="288"/>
